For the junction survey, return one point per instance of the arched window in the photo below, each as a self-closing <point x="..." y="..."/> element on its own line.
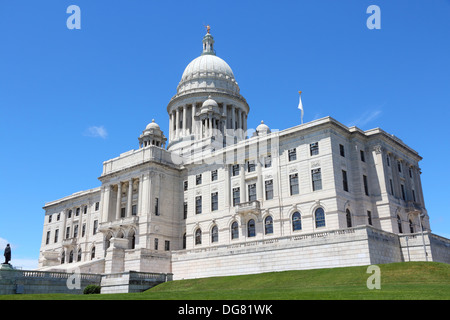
<point x="71" y="256"/>
<point x="399" y="223"/>
<point x="215" y="234"/>
<point x="251" y="228"/>
<point x="296" y="221"/>
<point x="184" y="241"/>
<point x="63" y="257"/>
<point x="79" y="255"/>
<point x="198" y="236"/>
<point x="234" y="230"/>
<point x="348" y="216"/>
<point x="411" y="226"/>
<point x="268" y="225"/>
<point x="319" y="218"/>
<point x="92" y="253"/>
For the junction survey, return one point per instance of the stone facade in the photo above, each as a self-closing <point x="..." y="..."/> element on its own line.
<point x="222" y="199"/>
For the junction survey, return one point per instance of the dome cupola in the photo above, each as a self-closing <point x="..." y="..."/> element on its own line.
<point x="152" y="136"/>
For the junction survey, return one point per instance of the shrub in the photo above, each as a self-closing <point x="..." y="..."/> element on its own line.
<point x="91" y="289"/>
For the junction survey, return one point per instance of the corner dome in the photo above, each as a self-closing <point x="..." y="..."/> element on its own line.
<point x="152" y="125"/>
<point x="262" y="129"/>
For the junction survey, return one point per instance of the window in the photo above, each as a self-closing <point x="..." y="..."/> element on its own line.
<point x="47" y="239"/>
<point x="268" y="161"/>
<point x="388" y="161"/>
<point x="214" y="201"/>
<point x="134" y="210"/>
<point x="410" y="172"/>
<point x="122" y="212"/>
<point x="85" y="210"/>
<point x="198" y="236"/>
<point x="166" y="245"/>
<point x="348" y="217"/>
<point x="251" y="166"/>
<point x="49" y="218"/>
<point x="362" y="155"/>
<point x="252" y="192"/>
<point x="79" y="255"/>
<point x="94" y="231"/>
<point x="292" y="154"/>
<point x="235" y="170"/>
<point x="69" y="214"/>
<point x="215" y="234"/>
<point x="316" y="179"/>
<point x="77" y="212"/>
<point x="97" y="206"/>
<point x="413" y="195"/>
<point x="296" y="221"/>
<point x="70" y="256"/>
<point x="75" y="231"/>
<point x="314" y="148"/>
<point x="236" y="196"/>
<point x="157" y="206"/>
<point x="83" y="230"/>
<point x="319" y="217"/>
<point x="185" y="209"/>
<point x="58" y="216"/>
<point x="341" y="150"/>
<point x="156" y="243"/>
<point x="184" y="241"/>
<point x="344" y="180"/>
<point x="251" y="228"/>
<point x="293" y="183"/>
<point x="67" y="232"/>
<point x="369" y="217"/>
<point x="214" y="175"/>
<point x="399" y="166"/>
<point x="185" y="185"/>
<point x="411" y="226"/>
<point x="198" y="179"/>
<point x="56" y="235"/>
<point x="269" y="189"/>
<point x="403" y="192"/>
<point x="92" y="253"/>
<point x="399" y="224"/>
<point x="234" y="230"/>
<point x="268" y="225"/>
<point x="198" y="204"/>
<point x="366" y="186"/>
<point x="392" y="186"/>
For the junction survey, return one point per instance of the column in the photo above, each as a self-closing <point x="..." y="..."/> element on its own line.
<point x="170" y="126"/>
<point x="119" y="196"/>
<point x="259" y="181"/>
<point x="143" y="196"/>
<point x="239" y="124"/>
<point x="193" y="125"/>
<point x="233" y="119"/>
<point x="183" y="129"/>
<point x="242" y="186"/>
<point x="104" y="202"/>
<point x="130" y="197"/>
<point x="177" y="123"/>
<point x="245" y="125"/>
<point x="227" y="185"/>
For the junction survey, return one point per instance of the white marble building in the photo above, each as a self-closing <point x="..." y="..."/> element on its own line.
<point x="222" y="200"/>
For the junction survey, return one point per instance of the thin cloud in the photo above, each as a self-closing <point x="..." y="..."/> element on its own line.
<point x="96" y="132"/>
<point x="366" y="118"/>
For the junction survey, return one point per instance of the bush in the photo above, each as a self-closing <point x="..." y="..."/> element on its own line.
<point x="91" y="289"/>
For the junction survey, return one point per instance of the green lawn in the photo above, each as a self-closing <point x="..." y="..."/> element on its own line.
<point x="399" y="281"/>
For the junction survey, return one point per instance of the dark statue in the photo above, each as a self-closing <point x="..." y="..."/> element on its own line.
<point x="7" y="254"/>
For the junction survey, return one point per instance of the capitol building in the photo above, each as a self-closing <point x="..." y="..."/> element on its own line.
<point x="212" y="198"/>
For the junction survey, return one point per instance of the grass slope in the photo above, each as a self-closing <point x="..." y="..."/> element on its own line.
<point x="399" y="281"/>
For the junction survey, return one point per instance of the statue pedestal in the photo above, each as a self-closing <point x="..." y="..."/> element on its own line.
<point x="6" y="266"/>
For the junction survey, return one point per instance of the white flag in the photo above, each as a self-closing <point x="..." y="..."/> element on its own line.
<point x="300" y="105"/>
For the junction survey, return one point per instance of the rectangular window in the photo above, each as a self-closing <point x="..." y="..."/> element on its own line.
<point x="69" y="214"/>
<point x="362" y="155"/>
<point x="344" y="180"/>
<point x="252" y="192"/>
<point x="77" y="212"/>
<point x="235" y="170"/>
<point x="292" y="154"/>
<point x="369" y="217"/>
<point x="269" y="189"/>
<point x="316" y="179"/>
<point x="95" y="229"/>
<point x="414" y="195"/>
<point x="85" y="209"/>
<point x="198" y="204"/>
<point x="122" y="212"/>
<point x="388" y="161"/>
<point x="293" y="183"/>
<point x="392" y="186"/>
<point x="410" y="172"/>
<point x="49" y="218"/>
<point x="399" y="166"/>
<point x="214" y="175"/>
<point x="366" y="186"/>
<point x="47" y="239"/>
<point x="56" y="235"/>
<point x="214" y="201"/>
<point x="83" y="230"/>
<point x="251" y="166"/>
<point x="314" y="148"/>
<point x="236" y="196"/>
<point x="268" y="161"/>
<point x="58" y="216"/>
<point x="185" y="209"/>
<point x="198" y="179"/>
<point x="134" y="210"/>
<point x="166" y="245"/>
<point x="156" y="206"/>
<point x="67" y="232"/>
<point x="156" y="243"/>
<point x="403" y="192"/>
<point x="342" y="150"/>
<point x="185" y="185"/>
<point x="97" y="206"/>
<point x="75" y="231"/>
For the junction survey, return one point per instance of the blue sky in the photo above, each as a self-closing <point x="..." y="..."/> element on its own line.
<point x="71" y="99"/>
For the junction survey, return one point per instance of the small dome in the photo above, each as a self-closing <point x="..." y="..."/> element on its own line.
<point x="262" y="129"/>
<point x="152" y="125"/>
<point x="210" y="103"/>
